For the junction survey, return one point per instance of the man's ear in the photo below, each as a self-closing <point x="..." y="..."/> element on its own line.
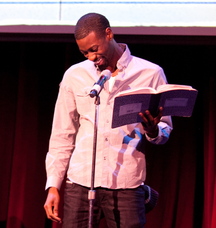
<point x="109" y="33"/>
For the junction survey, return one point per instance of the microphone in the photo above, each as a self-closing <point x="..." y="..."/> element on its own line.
<point x="98" y="86"/>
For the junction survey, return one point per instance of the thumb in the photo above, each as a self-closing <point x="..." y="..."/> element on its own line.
<point x="55" y="209"/>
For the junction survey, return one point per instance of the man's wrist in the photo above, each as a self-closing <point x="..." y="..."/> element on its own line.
<point x="52" y="189"/>
<point x="153" y="133"/>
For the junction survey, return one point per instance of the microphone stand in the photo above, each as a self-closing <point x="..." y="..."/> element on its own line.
<point x="92" y="192"/>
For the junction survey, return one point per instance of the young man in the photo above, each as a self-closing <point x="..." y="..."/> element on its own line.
<point x="120" y="168"/>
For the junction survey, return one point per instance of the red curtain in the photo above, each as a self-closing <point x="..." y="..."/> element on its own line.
<point x="209" y="220"/>
<point x="26" y="98"/>
<point x="29" y="76"/>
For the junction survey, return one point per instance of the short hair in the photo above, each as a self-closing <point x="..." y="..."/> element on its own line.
<point x="91" y="22"/>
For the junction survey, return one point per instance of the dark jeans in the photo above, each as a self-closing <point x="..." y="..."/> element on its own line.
<point x="121" y="208"/>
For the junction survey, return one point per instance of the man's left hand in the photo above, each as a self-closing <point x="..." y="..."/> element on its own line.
<point x="150" y="123"/>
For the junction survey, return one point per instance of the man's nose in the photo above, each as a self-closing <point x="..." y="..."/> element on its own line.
<point x="91" y="56"/>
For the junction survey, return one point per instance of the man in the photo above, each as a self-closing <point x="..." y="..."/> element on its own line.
<point x="120" y="168"/>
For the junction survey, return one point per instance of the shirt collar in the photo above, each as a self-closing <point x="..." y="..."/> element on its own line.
<point x="125" y="58"/>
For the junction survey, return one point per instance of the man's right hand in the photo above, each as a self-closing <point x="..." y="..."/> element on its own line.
<point x="51" y="205"/>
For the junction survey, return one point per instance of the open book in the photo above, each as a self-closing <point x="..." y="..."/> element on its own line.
<point x="176" y="100"/>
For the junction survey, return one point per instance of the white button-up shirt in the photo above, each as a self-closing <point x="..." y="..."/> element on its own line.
<point x="120" y="158"/>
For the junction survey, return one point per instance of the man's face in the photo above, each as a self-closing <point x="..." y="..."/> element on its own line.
<point x="97" y="49"/>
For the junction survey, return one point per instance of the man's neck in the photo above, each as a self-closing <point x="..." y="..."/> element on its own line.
<point x="119" y="50"/>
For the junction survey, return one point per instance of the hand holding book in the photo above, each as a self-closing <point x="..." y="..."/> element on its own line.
<point x="150" y="123"/>
<point x="176" y="100"/>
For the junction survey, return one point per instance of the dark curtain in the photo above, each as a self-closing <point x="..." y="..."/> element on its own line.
<point x="210" y="157"/>
<point x="182" y="171"/>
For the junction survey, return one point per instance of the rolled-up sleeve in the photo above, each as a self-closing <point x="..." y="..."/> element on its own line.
<point x="164" y="129"/>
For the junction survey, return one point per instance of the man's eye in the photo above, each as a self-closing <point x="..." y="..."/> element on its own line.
<point x="84" y="52"/>
<point x="93" y="49"/>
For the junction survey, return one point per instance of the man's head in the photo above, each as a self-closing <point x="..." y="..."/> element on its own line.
<point x="91" y="22"/>
<point x="95" y="40"/>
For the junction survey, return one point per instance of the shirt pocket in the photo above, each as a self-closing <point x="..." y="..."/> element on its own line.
<point x="84" y="102"/>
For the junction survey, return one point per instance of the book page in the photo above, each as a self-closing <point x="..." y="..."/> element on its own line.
<point x="168" y="87"/>
<point x="160" y="89"/>
<point x="141" y="90"/>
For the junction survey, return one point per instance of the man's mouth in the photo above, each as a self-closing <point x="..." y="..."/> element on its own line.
<point x="98" y="62"/>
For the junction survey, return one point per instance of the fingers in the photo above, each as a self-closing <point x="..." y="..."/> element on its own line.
<point x="51" y="206"/>
<point x="149" y="120"/>
<point x="150" y="123"/>
<point x="56" y="212"/>
<point x="160" y="113"/>
<point x="52" y="213"/>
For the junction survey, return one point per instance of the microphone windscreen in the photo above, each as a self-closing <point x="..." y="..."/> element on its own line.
<point x="106" y="73"/>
